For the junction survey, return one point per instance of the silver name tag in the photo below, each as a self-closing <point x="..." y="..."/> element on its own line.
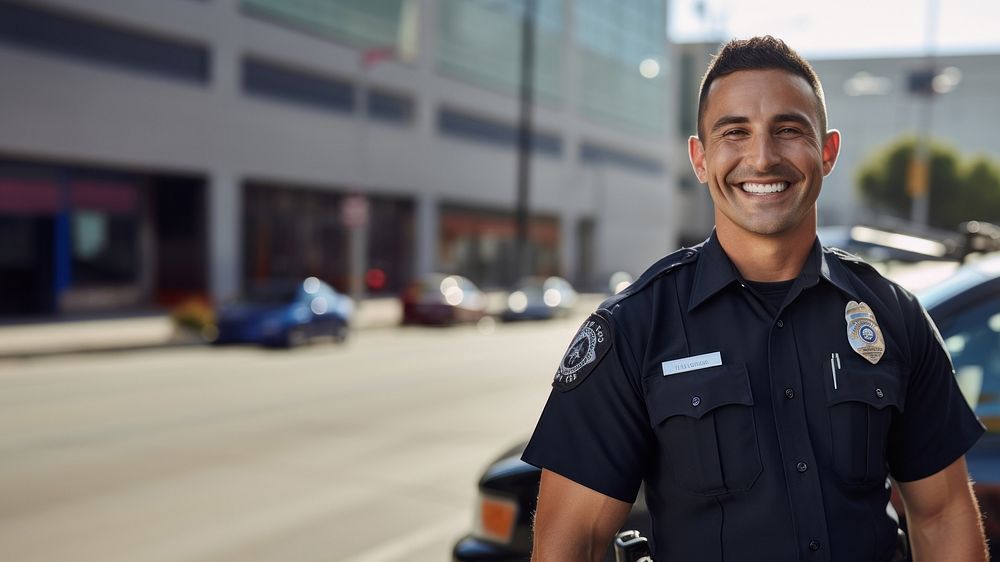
<point x="692" y="363"/>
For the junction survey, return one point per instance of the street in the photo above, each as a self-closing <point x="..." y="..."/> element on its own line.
<point x="364" y="452"/>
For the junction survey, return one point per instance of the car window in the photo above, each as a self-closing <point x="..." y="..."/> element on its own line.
<point x="973" y="339"/>
<point x="271" y="294"/>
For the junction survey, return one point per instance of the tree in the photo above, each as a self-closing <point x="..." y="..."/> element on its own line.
<point x="958" y="191"/>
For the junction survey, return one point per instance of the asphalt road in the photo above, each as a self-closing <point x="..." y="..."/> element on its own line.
<point x="366" y="452"/>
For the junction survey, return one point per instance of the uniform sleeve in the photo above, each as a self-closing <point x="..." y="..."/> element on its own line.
<point x="937" y="426"/>
<point x="594" y="429"/>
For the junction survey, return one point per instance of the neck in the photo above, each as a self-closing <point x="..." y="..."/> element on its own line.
<point x="758" y="257"/>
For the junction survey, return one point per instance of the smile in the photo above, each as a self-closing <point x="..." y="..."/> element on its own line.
<point x="764" y="188"/>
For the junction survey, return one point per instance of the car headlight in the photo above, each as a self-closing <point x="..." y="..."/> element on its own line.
<point x="496" y="518"/>
<point x="552" y="298"/>
<point x="517" y="301"/>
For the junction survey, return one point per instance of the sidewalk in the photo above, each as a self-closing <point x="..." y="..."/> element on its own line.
<point x="148" y="331"/>
<point x="156" y="330"/>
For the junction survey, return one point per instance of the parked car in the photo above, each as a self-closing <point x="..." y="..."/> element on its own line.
<point x="904" y="243"/>
<point x="442" y="299"/>
<point x="540" y="298"/>
<point x="285" y="314"/>
<point x="966" y="309"/>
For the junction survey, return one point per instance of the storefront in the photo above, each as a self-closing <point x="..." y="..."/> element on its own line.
<point x="480" y="244"/>
<point x="84" y="240"/>
<point x="293" y="232"/>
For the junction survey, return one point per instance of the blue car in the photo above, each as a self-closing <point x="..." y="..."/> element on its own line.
<point x="537" y="298"/>
<point x="285" y="314"/>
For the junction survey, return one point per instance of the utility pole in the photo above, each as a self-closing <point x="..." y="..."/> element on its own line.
<point x="922" y="84"/>
<point x="524" y="139"/>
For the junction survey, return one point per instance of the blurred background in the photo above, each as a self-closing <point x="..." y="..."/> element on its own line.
<point x="175" y="173"/>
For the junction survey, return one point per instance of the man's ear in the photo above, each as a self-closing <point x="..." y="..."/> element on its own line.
<point x="696" y="152"/>
<point x="831" y="149"/>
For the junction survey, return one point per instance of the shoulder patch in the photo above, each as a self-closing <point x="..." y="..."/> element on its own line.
<point x="591" y="342"/>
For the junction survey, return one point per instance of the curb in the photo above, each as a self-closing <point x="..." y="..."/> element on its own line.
<point x="157" y="331"/>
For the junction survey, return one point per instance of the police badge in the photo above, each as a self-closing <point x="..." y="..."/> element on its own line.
<point x="863" y="332"/>
<point x="589" y="345"/>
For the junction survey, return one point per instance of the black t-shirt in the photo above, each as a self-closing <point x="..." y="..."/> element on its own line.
<point x="773" y="293"/>
<point x="761" y="434"/>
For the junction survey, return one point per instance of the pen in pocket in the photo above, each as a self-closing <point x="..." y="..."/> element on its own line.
<point x="834" y="365"/>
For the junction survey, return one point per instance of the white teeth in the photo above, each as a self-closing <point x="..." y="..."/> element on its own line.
<point x="764" y="187"/>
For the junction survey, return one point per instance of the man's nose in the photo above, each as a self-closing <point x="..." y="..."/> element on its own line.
<point x="763" y="153"/>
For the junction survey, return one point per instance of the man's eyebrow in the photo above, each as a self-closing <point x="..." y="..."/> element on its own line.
<point x="794" y="118"/>
<point x="729" y="120"/>
<point x="780" y="118"/>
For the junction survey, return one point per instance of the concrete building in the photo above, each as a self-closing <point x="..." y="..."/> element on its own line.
<point x="158" y="150"/>
<point x="154" y="150"/>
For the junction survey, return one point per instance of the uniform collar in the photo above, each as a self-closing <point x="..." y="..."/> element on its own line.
<point x="715" y="271"/>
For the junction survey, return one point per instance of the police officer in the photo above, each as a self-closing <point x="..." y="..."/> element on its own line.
<point x="764" y="388"/>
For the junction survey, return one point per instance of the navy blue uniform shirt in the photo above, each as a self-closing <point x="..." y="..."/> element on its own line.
<point x="761" y="433"/>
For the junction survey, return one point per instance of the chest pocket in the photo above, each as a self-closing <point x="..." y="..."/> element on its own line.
<point x="703" y="421"/>
<point x="861" y="403"/>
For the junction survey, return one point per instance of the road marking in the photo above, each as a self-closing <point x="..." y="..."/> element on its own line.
<point x="402" y="548"/>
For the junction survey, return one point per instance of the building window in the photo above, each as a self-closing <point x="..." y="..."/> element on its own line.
<point x="391" y="107"/>
<point x="291" y="232"/>
<point x="461" y="124"/>
<point x="596" y="154"/>
<point x="75" y="37"/>
<point x="361" y="23"/>
<point x="104" y="248"/>
<point x="479" y="41"/>
<point x="268" y="80"/>
<point x="612" y="39"/>
<point x="105" y="227"/>
<point x="480" y="244"/>
<point x="294" y="233"/>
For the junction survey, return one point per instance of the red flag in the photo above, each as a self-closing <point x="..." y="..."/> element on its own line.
<point x="371" y="57"/>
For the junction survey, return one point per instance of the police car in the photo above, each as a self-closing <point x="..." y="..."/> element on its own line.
<point x="966" y="309"/>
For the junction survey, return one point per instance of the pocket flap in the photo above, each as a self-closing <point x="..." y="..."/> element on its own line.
<point x="696" y="393"/>
<point x="857" y="380"/>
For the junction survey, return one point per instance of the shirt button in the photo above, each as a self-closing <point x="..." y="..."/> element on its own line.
<point x="696" y="401"/>
<point x="781" y="324"/>
<point x="789" y="393"/>
<point x="814" y="545"/>
<point x="802" y="467"/>
<point x="879" y="393"/>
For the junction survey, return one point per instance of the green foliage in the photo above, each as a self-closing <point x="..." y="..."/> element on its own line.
<point x="959" y="191"/>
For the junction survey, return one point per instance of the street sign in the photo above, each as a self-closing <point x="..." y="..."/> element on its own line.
<point x="354" y="211"/>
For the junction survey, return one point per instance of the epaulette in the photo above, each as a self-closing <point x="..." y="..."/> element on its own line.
<point x="662" y="267"/>
<point x="845" y="256"/>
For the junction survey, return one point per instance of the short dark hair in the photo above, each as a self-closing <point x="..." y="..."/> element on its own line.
<point x="759" y="53"/>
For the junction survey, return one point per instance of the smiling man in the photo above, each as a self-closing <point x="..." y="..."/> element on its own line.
<point x="763" y="387"/>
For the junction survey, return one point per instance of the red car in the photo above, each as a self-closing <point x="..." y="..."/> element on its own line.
<point x="443" y="299"/>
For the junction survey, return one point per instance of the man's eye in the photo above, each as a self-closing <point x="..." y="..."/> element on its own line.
<point x="787" y="131"/>
<point x="734" y="133"/>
